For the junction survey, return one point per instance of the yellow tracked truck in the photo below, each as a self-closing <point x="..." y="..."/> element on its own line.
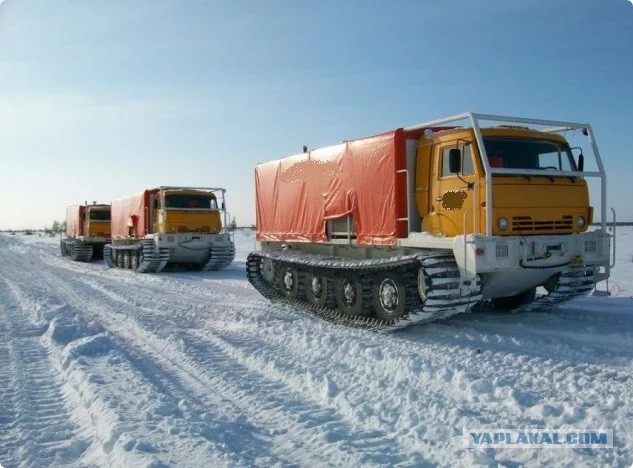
<point x="423" y="222"/>
<point x="87" y="231"/>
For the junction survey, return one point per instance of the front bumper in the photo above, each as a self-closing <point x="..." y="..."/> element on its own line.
<point x="511" y="264"/>
<point x="191" y="247"/>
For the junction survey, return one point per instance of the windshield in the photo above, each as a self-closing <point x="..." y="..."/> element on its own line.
<point x="100" y="215"/>
<point x="190" y="202"/>
<point x="516" y="153"/>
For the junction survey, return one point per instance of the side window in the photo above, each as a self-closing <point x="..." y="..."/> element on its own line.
<point x="548" y="160"/>
<point x="554" y="160"/>
<point x="467" y="161"/>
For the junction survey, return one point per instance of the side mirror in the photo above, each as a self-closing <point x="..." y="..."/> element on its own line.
<point x="454" y="161"/>
<point x="581" y="162"/>
<point x="223" y="207"/>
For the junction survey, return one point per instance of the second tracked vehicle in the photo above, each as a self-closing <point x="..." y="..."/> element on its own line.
<point x="178" y="226"/>
<point x="423" y="222"/>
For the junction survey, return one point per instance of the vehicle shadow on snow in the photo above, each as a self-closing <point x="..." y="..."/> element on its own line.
<point x="592" y="330"/>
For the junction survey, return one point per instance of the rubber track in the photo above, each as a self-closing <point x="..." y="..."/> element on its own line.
<point x="219" y="258"/>
<point x="151" y="260"/>
<point x="573" y="281"/>
<point x="443" y="295"/>
<point x="76" y="250"/>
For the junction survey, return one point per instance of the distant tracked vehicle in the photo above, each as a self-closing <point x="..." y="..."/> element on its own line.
<point x="87" y="231"/>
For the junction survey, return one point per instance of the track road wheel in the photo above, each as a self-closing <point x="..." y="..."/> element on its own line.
<point x="389" y="296"/>
<point x="349" y="295"/>
<point x="134" y="261"/>
<point x="119" y="258"/>
<point x="290" y="283"/>
<point x="319" y="291"/>
<point x="423" y="284"/>
<point x="512" y="302"/>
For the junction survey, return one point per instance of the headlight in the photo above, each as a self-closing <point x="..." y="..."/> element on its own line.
<point x="503" y="224"/>
<point x="580" y="221"/>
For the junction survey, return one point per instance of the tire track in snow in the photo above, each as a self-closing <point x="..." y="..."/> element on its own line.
<point x="231" y="438"/>
<point x="442" y="377"/>
<point x="198" y="296"/>
<point x="202" y="361"/>
<point x="107" y="416"/>
<point x="236" y="296"/>
<point x="35" y="427"/>
<point x="231" y="279"/>
<point x="349" y="388"/>
<point x="233" y="309"/>
<point x="214" y="348"/>
<point x="284" y="402"/>
<point x="228" y="341"/>
<point x="470" y="384"/>
<point x="10" y="440"/>
<point x="208" y="384"/>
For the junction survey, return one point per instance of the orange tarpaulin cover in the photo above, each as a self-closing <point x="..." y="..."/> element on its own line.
<point x="74" y="220"/>
<point x="297" y="195"/>
<point x="130" y="215"/>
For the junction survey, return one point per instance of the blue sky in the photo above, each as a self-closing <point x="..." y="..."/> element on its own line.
<point x="99" y="100"/>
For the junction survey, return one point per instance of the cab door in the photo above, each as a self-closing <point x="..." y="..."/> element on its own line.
<point x="452" y="193"/>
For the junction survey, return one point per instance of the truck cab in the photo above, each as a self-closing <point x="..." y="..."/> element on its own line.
<point x="178" y="210"/>
<point x="510" y="200"/>
<point x="97" y="221"/>
<point x="539" y="200"/>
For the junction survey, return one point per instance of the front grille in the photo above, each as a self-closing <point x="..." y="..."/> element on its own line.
<point x="526" y="223"/>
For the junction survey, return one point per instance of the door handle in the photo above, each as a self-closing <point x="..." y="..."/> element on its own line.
<point x="438" y="198"/>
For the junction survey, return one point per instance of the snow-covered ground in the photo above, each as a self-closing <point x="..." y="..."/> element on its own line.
<point x="111" y="368"/>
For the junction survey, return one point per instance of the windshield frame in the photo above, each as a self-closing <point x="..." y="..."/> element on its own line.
<point x="91" y="212"/>
<point x="213" y="202"/>
<point x="563" y="149"/>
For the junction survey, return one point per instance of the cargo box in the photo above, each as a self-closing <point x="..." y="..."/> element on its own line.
<point x="75" y="216"/>
<point x="130" y="215"/>
<point x="365" y="179"/>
